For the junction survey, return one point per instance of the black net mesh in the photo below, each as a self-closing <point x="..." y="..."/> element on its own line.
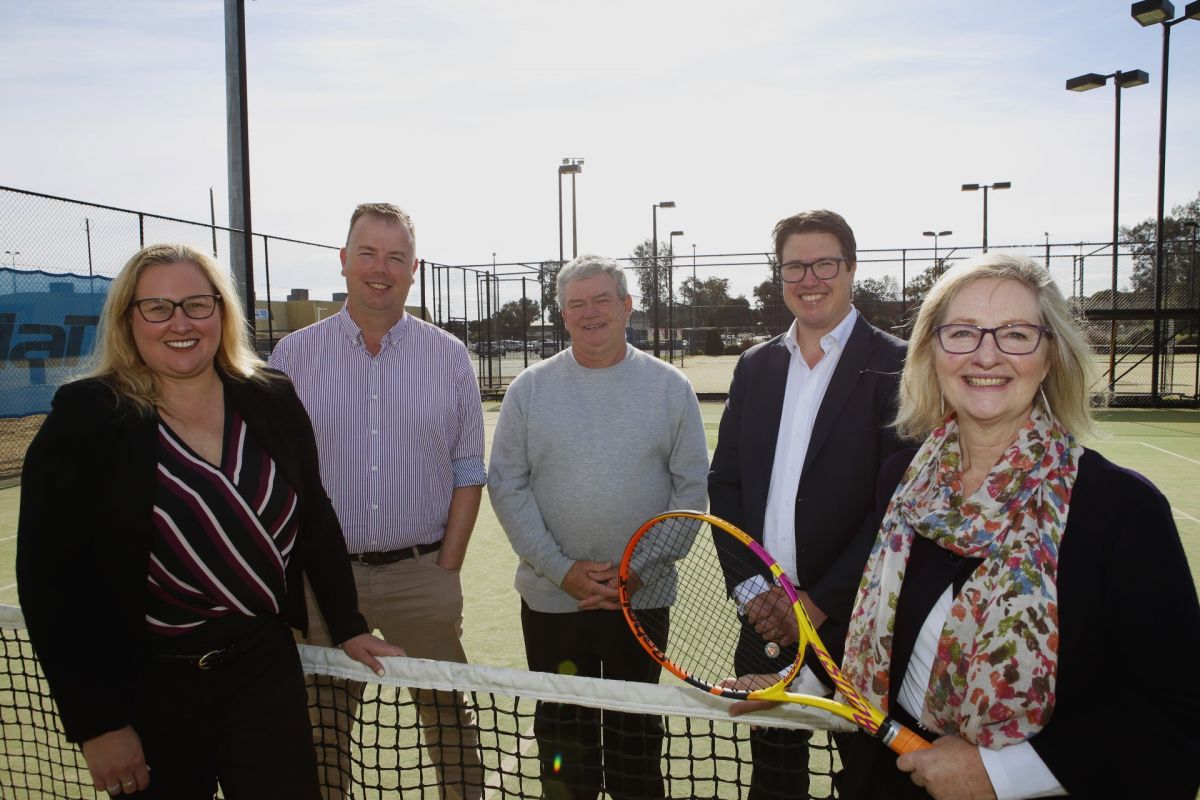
<point x="404" y="736"/>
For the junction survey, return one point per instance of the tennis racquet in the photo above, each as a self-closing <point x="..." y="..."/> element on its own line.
<point x="705" y="571"/>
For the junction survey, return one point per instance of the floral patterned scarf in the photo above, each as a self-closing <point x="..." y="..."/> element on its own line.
<point x="993" y="680"/>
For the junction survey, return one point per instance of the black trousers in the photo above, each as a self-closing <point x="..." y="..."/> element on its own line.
<point x="779" y="755"/>
<point x="243" y="724"/>
<point x="583" y="749"/>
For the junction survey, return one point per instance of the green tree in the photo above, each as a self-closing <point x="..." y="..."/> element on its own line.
<point x="705" y="297"/>
<point x="878" y="299"/>
<point x="548" y="275"/>
<point x="643" y="263"/>
<point x="917" y="288"/>
<point x="513" y="319"/>
<point x="1179" y="257"/>
<point x="770" y="310"/>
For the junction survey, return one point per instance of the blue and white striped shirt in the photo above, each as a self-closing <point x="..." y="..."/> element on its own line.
<point x="396" y="432"/>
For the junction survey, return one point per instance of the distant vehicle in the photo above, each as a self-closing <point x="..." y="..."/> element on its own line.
<point x="489" y="348"/>
<point x="663" y="344"/>
<point x="548" y="348"/>
<point x="512" y="345"/>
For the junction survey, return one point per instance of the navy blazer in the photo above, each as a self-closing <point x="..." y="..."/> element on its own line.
<point x="835" y="500"/>
<point x="83" y="540"/>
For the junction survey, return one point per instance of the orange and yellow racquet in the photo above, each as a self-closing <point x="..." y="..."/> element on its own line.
<point x="706" y="571"/>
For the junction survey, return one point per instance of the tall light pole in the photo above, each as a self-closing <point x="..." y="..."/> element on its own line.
<point x="572" y="167"/>
<point x="974" y="187"/>
<point x="654" y="268"/>
<point x="694" y="288"/>
<point x="1195" y="300"/>
<point x="14" y="254"/>
<point x="671" y="293"/>
<point x="1121" y="80"/>
<point x="1155" y="12"/>
<point x="936" y="235"/>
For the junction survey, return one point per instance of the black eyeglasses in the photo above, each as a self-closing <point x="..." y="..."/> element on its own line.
<point x="1019" y="339"/>
<point x="160" y="309"/>
<point x="823" y="268"/>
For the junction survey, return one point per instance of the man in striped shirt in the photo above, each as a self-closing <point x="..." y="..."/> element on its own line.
<point x="399" y="426"/>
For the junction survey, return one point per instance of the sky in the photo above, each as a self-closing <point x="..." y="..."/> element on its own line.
<point x="742" y="113"/>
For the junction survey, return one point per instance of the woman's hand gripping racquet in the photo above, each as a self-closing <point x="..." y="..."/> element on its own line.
<point x="707" y="572"/>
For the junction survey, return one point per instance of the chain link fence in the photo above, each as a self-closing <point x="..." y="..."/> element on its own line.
<point x="60" y="255"/>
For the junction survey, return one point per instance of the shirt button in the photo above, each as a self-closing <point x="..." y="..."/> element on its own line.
<point x="374" y="506"/>
<point x="374" y="432"/>
<point x="374" y="468"/>
<point x="374" y="397"/>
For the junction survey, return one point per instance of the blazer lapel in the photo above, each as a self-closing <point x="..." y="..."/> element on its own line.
<point x="841" y="384"/>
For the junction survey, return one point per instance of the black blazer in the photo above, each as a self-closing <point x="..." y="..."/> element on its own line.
<point x="1123" y="723"/>
<point x="84" y="535"/>
<point x="835" y="501"/>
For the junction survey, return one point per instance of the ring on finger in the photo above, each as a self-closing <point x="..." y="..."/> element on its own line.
<point x="128" y="783"/>
<point x="116" y="787"/>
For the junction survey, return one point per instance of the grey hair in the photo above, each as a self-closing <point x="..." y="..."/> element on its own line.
<point x="587" y="266"/>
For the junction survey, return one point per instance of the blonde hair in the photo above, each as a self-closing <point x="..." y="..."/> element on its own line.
<point x="116" y="358"/>
<point x="1070" y="373"/>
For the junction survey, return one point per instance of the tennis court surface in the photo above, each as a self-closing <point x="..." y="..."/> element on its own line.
<point x="705" y="756"/>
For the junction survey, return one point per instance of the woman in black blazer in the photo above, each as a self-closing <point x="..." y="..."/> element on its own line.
<point x="1027" y="606"/>
<point x="171" y="506"/>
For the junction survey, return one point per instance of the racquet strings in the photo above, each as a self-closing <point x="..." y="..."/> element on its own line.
<point x="707" y="637"/>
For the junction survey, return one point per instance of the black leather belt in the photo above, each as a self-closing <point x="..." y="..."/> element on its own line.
<point x="213" y="658"/>
<point x="392" y="556"/>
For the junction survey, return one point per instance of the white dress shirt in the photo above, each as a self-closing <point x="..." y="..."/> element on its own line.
<point x="802" y="397"/>
<point x="805" y="390"/>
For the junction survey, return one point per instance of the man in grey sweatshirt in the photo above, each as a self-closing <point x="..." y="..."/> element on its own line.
<point x="590" y="444"/>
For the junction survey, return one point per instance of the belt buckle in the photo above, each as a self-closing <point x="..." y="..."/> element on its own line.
<point x="208" y="660"/>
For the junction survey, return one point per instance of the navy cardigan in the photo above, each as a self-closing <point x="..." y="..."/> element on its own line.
<point x="1123" y="723"/>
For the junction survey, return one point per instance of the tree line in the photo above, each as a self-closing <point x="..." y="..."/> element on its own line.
<point x="707" y="303"/>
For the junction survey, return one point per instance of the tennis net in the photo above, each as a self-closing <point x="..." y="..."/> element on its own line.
<point x="385" y="740"/>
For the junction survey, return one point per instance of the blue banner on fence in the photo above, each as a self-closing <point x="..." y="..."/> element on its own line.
<point x="47" y="331"/>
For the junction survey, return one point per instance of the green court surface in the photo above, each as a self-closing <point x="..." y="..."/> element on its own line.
<point x="1163" y="445"/>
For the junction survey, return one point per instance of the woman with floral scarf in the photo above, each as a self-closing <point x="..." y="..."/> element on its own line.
<point x="1027" y="605"/>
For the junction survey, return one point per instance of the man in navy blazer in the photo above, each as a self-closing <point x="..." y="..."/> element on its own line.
<point x="805" y="429"/>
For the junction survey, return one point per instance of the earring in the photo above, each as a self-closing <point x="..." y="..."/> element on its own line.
<point x="943" y="396"/>
<point x="1045" y="402"/>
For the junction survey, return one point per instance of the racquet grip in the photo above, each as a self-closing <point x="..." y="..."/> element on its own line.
<point x="905" y="741"/>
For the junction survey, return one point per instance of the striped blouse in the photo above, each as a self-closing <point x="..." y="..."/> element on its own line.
<point x="223" y="535"/>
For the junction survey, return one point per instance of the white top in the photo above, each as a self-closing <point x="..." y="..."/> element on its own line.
<point x="805" y="390"/>
<point x="1016" y="771"/>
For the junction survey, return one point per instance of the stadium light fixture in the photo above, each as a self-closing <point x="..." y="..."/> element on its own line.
<point x="572" y="167"/>
<point x="937" y="235"/>
<point x="654" y="268"/>
<point x="1151" y="12"/>
<point x="671" y="296"/>
<point x="1146" y="13"/>
<point x="974" y="187"/>
<point x="1126" y="79"/>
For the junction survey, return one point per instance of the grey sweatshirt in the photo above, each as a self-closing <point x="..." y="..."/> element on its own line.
<point x="582" y="457"/>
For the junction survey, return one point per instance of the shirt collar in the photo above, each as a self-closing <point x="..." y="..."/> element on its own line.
<point x="353" y="332"/>
<point x="839" y="335"/>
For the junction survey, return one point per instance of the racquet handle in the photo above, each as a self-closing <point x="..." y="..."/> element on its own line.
<point x="904" y="740"/>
